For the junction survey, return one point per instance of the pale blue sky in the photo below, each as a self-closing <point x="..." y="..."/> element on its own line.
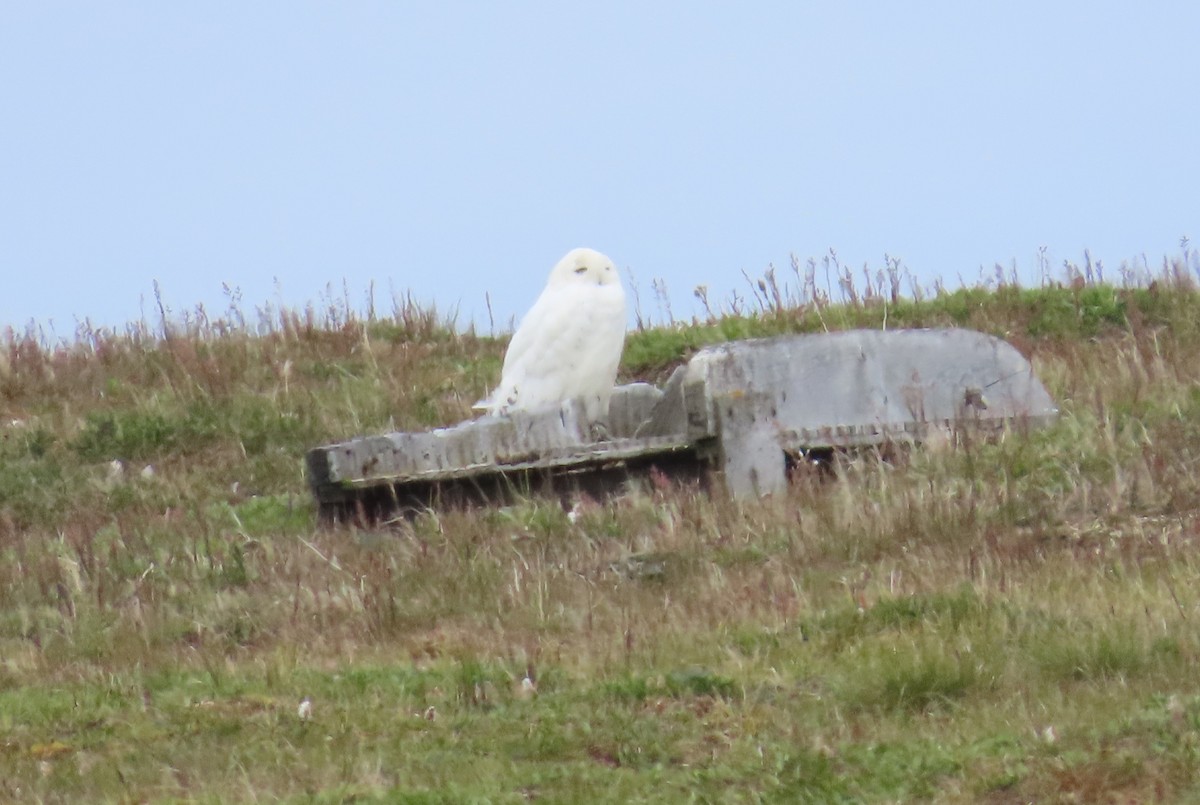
<point x="460" y="148"/>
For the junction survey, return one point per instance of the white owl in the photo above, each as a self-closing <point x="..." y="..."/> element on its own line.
<point x="569" y="343"/>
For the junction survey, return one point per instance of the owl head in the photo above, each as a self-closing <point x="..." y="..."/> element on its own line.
<point x="584" y="267"/>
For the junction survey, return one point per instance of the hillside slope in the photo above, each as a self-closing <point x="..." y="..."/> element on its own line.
<point x="1003" y="622"/>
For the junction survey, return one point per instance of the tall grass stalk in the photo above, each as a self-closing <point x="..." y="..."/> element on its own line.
<point x="1012" y="621"/>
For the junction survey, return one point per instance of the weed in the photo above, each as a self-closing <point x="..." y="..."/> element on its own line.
<point x="1002" y="621"/>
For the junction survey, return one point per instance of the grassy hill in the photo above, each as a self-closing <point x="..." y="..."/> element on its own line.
<point x="1006" y="622"/>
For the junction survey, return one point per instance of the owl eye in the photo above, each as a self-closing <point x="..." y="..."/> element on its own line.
<point x="581" y="270"/>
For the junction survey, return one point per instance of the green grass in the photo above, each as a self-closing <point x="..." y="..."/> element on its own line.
<point x="1002" y="622"/>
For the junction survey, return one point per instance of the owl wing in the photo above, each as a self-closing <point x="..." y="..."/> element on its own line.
<point x="553" y="346"/>
<point x="549" y="314"/>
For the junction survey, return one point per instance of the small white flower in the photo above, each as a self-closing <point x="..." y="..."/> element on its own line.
<point x="148" y="471"/>
<point x="304" y="711"/>
<point x="1176" y="710"/>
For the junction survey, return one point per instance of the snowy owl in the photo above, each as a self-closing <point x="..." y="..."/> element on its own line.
<point x="569" y="343"/>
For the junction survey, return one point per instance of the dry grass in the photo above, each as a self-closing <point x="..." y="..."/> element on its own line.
<point x="1006" y="622"/>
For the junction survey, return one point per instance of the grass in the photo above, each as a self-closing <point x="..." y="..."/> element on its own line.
<point x="1004" y="622"/>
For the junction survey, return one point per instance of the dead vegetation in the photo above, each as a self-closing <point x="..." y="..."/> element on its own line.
<point x="998" y="622"/>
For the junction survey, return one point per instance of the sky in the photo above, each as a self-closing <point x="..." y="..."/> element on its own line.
<point x="288" y="153"/>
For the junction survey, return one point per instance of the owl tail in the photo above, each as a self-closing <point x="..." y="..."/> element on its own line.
<point x="498" y="402"/>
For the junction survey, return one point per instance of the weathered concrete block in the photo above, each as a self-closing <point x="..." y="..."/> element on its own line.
<point x="735" y="408"/>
